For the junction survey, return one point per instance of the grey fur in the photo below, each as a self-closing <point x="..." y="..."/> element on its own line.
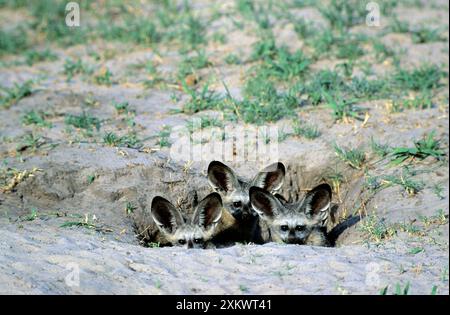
<point x="302" y="222"/>
<point x="234" y="191"/>
<point x="194" y="232"/>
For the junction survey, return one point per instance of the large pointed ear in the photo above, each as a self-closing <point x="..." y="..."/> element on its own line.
<point x="221" y="177"/>
<point x="270" y="178"/>
<point x="166" y="216"/>
<point x="264" y="203"/>
<point x="318" y="201"/>
<point x="208" y="212"/>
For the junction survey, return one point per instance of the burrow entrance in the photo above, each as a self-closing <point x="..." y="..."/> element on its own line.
<point x="119" y="195"/>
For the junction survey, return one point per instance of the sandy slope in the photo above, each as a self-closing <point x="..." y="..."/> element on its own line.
<point x="40" y="258"/>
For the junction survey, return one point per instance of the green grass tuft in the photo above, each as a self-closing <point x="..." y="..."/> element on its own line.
<point x="353" y="157"/>
<point x="428" y="146"/>
<point x="14" y="94"/>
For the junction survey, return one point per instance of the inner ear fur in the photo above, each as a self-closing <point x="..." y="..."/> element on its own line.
<point x="319" y="200"/>
<point x="221" y="177"/>
<point x="166" y="216"/>
<point x="271" y="178"/>
<point x="264" y="203"/>
<point x="209" y="211"/>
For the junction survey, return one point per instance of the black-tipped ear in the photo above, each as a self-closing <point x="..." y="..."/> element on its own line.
<point x="264" y="203"/>
<point x="221" y="177"/>
<point x="319" y="201"/>
<point x="208" y="212"/>
<point x="166" y="216"/>
<point x="270" y="178"/>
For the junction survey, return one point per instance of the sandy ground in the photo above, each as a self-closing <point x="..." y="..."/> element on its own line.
<point x="38" y="256"/>
<point x="46" y="263"/>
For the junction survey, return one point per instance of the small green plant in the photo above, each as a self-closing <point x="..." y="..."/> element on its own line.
<point x="257" y="12"/>
<point x="375" y="229"/>
<point x="282" y="135"/>
<point x="307" y="131"/>
<point x="130" y="208"/>
<point x="363" y="89"/>
<point x="438" y="190"/>
<point x="189" y="65"/>
<point x="324" y="84"/>
<point x="219" y="37"/>
<point x="426" y="35"/>
<point x="343" y="109"/>
<point x="283" y="65"/>
<point x="382" y="52"/>
<point x="434" y="290"/>
<point x="138" y="30"/>
<point x="203" y="122"/>
<point x="405" y="180"/>
<point x="421" y="101"/>
<point x="16" y="93"/>
<point x="353" y="157"/>
<point x="83" y="121"/>
<point x="34" y="56"/>
<point x="192" y="31"/>
<point x="74" y="67"/>
<point x="398" y="289"/>
<point x="322" y="42"/>
<point x="381" y="150"/>
<point x="423" y="78"/>
<point x="416" y="250"/>
<point x="121" y="108"/>
<point x="262" y="102"/>
<point x="402" y="291"/>
<point x="349" y="50"/>
<point x="31" y="216"/>
<point x="398" y="26"/>
<point x="103" y="77"/>
<point x="158" y="284"/>
<point x="243" y="288"/>
<point x="30" y="141"/>
<point x="343" y="14"/>
<point x="201" y="99"/>
<point x="164" y="136"/>
<point x="91" y="178"/>
<point x="153" y="245"/>
<point x="88" y="222"/>
<point x="232" y="59"/>
<point x="336" y="178"/>
<point x="129" y="140"/>
<point x="304" y="28"/>
<point x="384" y="290"/>
<point x="13" y="41"/>
<point x="264" y="49"/>
<point x="440" y="218"/>
<point x="428" y="146"/>
<point x="36" y="118"/>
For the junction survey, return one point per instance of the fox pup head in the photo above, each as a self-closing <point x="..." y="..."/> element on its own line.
<point x="235" y="191"/>
<point x="188" y="233"/>
<point x="292" y="223"/>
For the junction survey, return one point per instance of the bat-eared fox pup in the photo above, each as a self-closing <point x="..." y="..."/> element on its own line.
<point x="235" y="190"/>
<point x="195" y="232"/>
<point x="302" y="222"/>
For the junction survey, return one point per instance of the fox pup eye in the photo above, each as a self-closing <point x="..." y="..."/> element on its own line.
<point x="300" y="228"/>
<point x="198" y="240"/>
<point x="237" y="204"/>
<point x="284" y="228"/>
<point x="181" y="242"/>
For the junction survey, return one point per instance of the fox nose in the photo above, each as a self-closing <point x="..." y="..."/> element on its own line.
<point x="291" y="238"/>
<point x="190" y="244"/>
<point x="246" y="211"/>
